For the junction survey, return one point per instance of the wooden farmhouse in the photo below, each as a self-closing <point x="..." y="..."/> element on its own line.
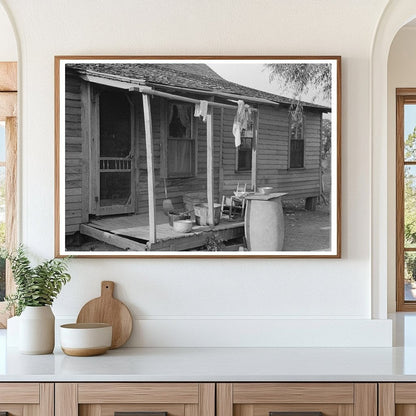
<point x="132" y="140"/>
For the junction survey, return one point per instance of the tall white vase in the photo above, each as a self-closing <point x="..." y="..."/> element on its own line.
<point x="37" y="330"/>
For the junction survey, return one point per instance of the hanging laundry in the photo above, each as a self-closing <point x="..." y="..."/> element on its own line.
<point x="241" y="121"/>
<point x="201" y="110"/>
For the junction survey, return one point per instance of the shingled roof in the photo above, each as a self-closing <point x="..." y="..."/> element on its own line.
<point x="192" y="76"/>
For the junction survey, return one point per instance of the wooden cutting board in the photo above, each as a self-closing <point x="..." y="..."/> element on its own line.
<point x="107" y="309"/>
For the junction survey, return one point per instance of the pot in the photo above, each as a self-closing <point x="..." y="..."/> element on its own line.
<point x="182" y="226"/>
<point x="37" y="330"/>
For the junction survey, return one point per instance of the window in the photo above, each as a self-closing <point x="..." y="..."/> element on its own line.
<point x="406" y="200"/>
<point x="180" y="141"/>
<point x="296" y="140"/>
<point x="245" y="150"/>
<point x="244" y="154"/>
<point x="8" y="164"/>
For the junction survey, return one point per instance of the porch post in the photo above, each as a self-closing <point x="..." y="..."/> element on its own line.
<point x="150" y="169"/>
<point x="210" y="165"/>
<point x="254" y="153"/>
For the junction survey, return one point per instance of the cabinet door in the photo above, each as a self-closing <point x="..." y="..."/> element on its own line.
<point x="397" y="399"/>
<point x="26" y="399"/>
<point x="297" y="399"/>
<point x="142" y="399"/>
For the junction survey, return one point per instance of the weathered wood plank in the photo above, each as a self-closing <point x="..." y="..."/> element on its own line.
<point x="112" y="239"/>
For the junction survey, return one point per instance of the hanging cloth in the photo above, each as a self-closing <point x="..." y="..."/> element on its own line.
<point x="241" y="121"/>
<point x="201" y="110"/>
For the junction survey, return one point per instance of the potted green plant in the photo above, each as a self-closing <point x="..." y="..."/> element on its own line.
<point x="36" y="289"/>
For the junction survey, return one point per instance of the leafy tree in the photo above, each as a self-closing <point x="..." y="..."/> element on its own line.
<point x="326" y="137"/>
<point x="410" y="191"/>
<point x="410" y="146"/>
<point x="301" y="77"/>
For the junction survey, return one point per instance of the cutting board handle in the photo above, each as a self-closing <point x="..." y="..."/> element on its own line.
<point x="107" y="289"/>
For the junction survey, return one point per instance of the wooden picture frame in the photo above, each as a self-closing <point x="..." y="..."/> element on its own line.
<point x="198" y="156"/>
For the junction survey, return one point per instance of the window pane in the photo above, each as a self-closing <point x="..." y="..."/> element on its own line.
<point x="410" y="206"/>
<point x="296" y="153"/>
<point x="410" y="132"/>
<point x="180" y="120"/>
<point x="180" y="146"/>
<point x="244" y="154"/>
<point x="180" y="157"/>
<point x="410" y="275"/>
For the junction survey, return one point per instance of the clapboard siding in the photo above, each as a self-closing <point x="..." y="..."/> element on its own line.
<point x="273" y="154"/>
<point x="312" y="136"/>
<point x="73" y="154"/>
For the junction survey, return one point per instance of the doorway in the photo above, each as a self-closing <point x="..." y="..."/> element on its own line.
<point x="113" y="170"/>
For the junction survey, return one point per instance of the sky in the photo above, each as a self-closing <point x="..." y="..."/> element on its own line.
<point x="255" y="75"/>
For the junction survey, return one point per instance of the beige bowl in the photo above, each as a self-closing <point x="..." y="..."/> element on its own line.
<point x="83" y="340"/>
<point x="182" y="226"/>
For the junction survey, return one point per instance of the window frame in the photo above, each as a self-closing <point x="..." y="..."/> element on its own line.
<point x="238" y="149"/>
<point x="191" y="139"/>
<point x="8" y="113"/>
<point x="403" y="96"/>
<point x="290" y="157"/>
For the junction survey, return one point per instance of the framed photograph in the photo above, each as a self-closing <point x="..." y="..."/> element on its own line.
<point x="198" y="156"/>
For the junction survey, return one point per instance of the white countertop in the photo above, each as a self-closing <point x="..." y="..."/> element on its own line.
<point x="222" y="364"/>
<point x="215" y="364"/>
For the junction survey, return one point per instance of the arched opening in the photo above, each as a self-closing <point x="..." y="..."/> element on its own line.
<point x="383" y="110"/>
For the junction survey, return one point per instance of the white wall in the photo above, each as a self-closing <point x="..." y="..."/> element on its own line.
<point x="8" y="46"/>
<point x="401" y="74"/>
<point x="244" y="302"/>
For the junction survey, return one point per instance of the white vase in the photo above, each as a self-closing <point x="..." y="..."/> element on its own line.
<point x="12" y="333"/>
<point x="37" y="330"/>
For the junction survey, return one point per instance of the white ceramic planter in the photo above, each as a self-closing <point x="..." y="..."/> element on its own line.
<point x="12" y="334"/>
<point x="37" y="330"/>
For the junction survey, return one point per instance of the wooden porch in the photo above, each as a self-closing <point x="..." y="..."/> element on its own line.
<point x="132" y="233"/>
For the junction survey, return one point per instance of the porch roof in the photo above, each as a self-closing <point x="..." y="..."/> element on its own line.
<point x="193" y="77"/>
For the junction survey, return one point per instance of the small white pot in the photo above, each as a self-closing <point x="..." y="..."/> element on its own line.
<point x="37" y="330"/>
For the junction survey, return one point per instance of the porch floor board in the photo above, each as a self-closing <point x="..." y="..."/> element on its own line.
<point x="136" y="228"/>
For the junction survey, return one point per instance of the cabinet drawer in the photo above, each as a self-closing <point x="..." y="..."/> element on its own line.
<point x="296" y="399"/>
<point x="397" y="399"/>
<point x="145" y="399"/>
<point x="21" y="399"/>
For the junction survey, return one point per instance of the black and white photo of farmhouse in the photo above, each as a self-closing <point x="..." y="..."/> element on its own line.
<point x="187" y="157"/>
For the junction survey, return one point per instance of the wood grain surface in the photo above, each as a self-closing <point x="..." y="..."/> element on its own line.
<point x="108" y="310"/>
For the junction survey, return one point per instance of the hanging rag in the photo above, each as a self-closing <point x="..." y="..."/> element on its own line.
<point x="201" y="110"/>
<point x="241" y="121"/>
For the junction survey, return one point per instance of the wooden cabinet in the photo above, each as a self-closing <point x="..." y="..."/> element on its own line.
<point x="397" y="399"/>
<point x="208" y="399"/>
<point x="27" y="399"/>
<point x="297" y="399"/>
<point x="106" y="399"/>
